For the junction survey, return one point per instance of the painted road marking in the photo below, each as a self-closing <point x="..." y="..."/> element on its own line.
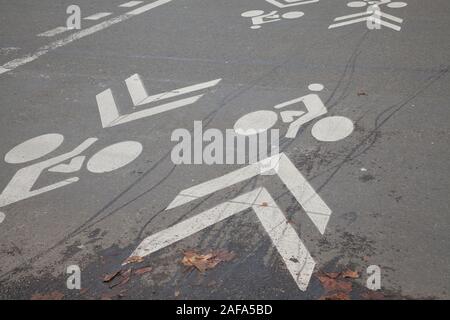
<point x="109" y="112"/>
<point x="304" y="193"/>
<point x="13" y="64"/>
<point x="21" y="185"/>
<point x="98" y="16"/>
<point x="130" y="4"/>
<point x="292" y="250"/>
<point x="289" y="3"/>
<point x="294" y="253"/>
<point x="53" y="32"/>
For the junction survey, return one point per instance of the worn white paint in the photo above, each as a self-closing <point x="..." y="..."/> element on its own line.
<point x="332" y="129"/>
<point x="98" y="16"/>
<point x="114" y="156"/>
<point x="34" y="148"/>
<point x="53" y="32"/>
<point x="130" y="4"/>
<point x="13" y="64"/>
<point x="304" y="193"/>
<point x="292" y="250"/>
<point x="21" y="185"/>
<point x="109" y="112"/>
<point x="255" y="122"/>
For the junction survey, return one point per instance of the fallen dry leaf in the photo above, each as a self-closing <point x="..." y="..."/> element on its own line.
<point x="55" y="295"/>
<point x="208" y="261"/>
<point x="143" y="270"/>
<point x="332" y="275"/>
<point x="134" y="259"/>
<point x="177" y="293"/>
<point x="361" y="93"/>
<point x="111" y="276"/>
<point x="125" y="276"/>
<point x="264" y="204"/>
<point x="331" y="284"/>
<point x="350" y="274"/>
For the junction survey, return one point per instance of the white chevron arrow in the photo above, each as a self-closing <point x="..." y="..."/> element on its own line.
<point x="294" y="253"/>
<point x="110" y="115"/>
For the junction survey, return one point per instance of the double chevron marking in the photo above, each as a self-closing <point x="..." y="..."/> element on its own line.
<point x="291" y="248"/>
<point x="109" y="113"/>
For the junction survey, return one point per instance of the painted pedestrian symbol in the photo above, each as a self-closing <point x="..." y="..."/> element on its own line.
<point x="332" y="128"/>
<point x="372" y="16"/>
<point x="20" y="187"/>
<point x="292" y="250"/>
<point x="259" y="17"/>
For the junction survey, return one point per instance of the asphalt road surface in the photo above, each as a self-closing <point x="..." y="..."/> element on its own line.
<point x="87" y="171"/>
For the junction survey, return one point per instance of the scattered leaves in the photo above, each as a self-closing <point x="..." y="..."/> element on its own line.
<point x="143" y="270"/>
<point x="207" y="261"/>
<point x="55" y="295"/>
<point x="264" y="204"/>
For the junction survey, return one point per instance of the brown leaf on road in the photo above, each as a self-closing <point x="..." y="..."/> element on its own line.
<point x="111" y="276"/>
<point x="134" y="259"/>
<point x="350" y="274"/>
<point x="264" y="204"/>
<point x="55" y="295"/>
<point x="207" y="261"/>
<point x="330" y="284"/>
<point x="332" y="275"/>
<point x="125" y="276"/>
<point x="143" y="270"/>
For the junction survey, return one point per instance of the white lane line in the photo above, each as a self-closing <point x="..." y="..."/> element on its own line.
<point x="53" y="32"/>
<point x="130" y="4"/>
<point x="98" y="16"/>
<point x="13" y="64"/>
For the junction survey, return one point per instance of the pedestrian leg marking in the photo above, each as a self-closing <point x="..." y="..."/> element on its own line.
<point x="292" y="250"/>
<point x="109" y="112"/>
<point x="13" y="64"/>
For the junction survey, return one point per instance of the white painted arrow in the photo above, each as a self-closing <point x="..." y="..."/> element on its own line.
<point x="110" y="115"/>
<point x="292" y="250"/>
<point x="294" y="253"/>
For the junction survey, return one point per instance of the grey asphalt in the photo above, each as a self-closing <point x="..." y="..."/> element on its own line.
<point x="387" y="183"/>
